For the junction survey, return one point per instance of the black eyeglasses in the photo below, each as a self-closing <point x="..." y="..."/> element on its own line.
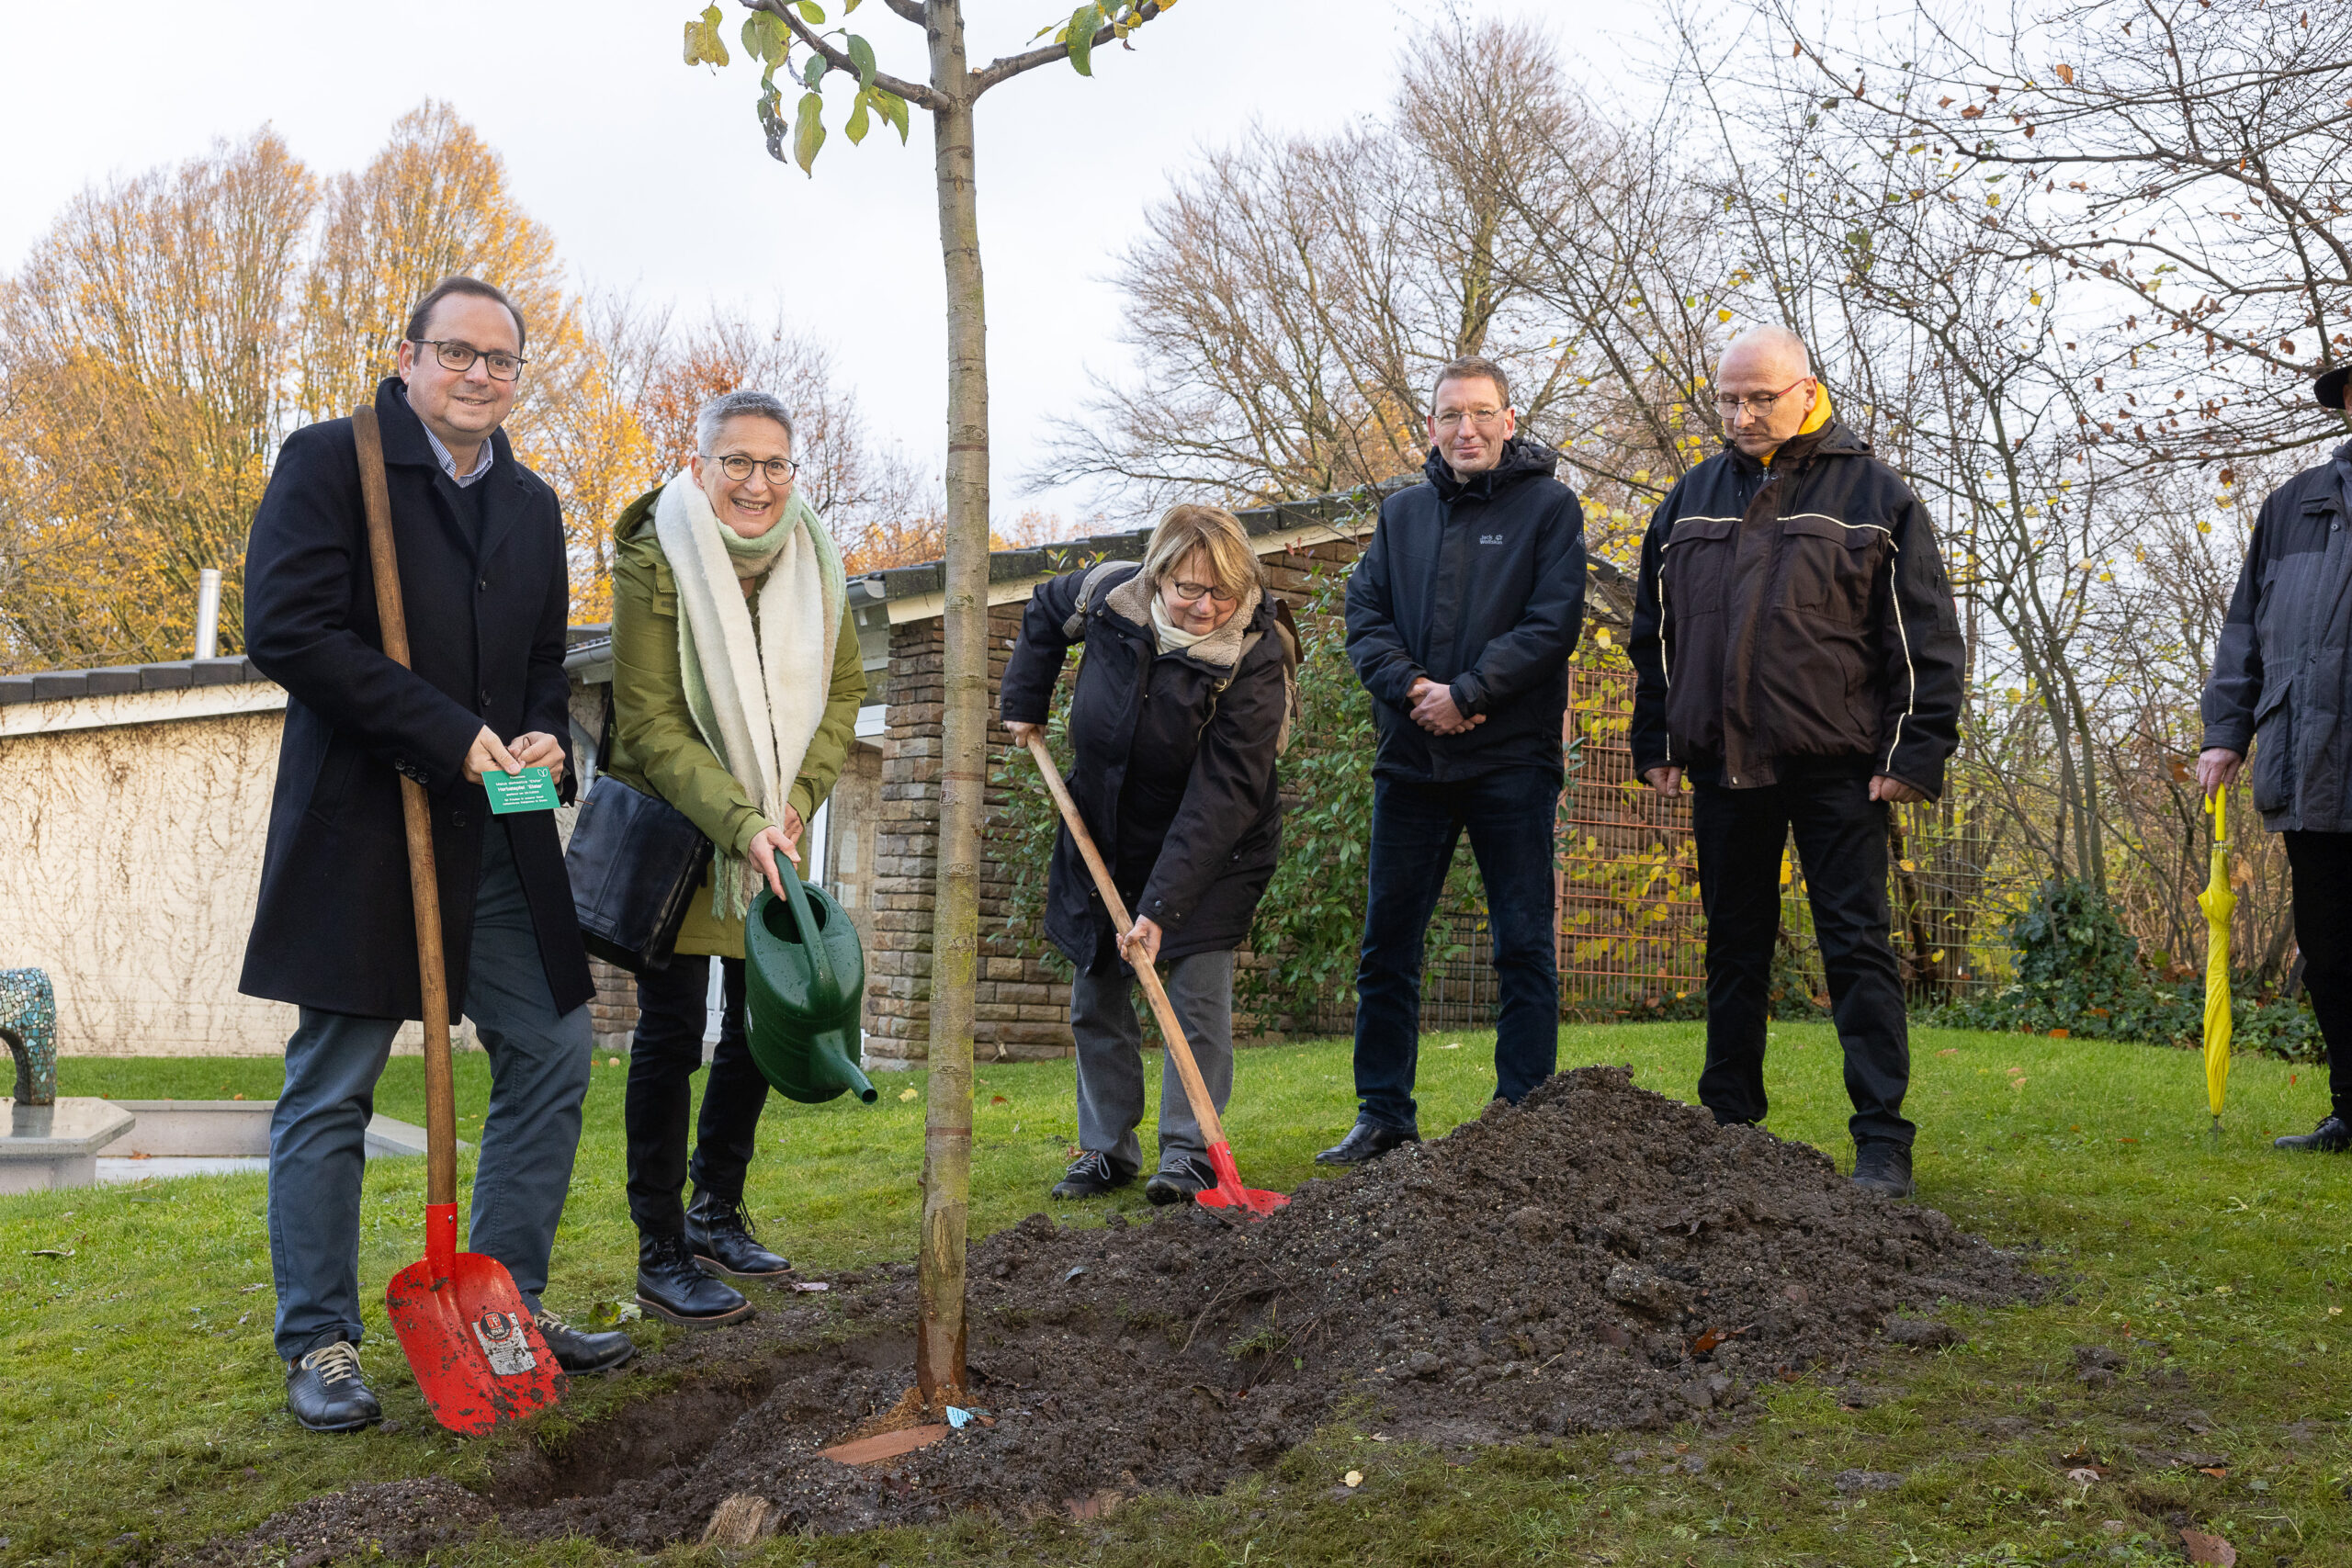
<point x="460" y="356"/>
<point x="1760" y="403"/>
<point x="738" y="467"/>
<point x="1191" y="592"/>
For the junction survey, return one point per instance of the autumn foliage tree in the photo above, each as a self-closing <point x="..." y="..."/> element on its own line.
<point x="167" y="332"/>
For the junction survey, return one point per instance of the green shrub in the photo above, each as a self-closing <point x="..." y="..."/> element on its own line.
<point x="2079" y="971"/>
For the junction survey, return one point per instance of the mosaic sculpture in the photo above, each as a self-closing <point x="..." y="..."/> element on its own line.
<point x="28" y="1023"/>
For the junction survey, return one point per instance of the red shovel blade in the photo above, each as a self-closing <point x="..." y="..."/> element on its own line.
<point x="476" y="1351"/>
<point x="1228" y="1193"/>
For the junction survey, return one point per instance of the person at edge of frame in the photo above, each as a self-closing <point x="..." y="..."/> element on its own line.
<point x="1175" y="722"/>
<point x="1797" y="657"/>
<point x="736" y="685"/>
<point x="1462" y="615"/>
<point x="485" y="594"/>
<point x="2280" y="687"/>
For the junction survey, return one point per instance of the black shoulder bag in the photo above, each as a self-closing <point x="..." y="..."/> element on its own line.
<point x="634" y="862"/>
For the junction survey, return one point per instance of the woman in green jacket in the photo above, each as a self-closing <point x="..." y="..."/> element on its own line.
<point x="736" y="685"/>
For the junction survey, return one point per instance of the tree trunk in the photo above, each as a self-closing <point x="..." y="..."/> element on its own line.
<point x="963" y="762"/>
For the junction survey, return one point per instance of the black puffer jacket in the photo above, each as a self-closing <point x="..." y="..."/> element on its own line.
<point x="2282" y="673"/>
<point x="1799" y="611"/>
<point x="1479" y="585"/>
<point x="1174" y="771"/>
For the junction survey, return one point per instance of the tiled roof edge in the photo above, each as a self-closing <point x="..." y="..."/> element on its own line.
<point x="1066" y="554"/>
<point x="173" y="675"/>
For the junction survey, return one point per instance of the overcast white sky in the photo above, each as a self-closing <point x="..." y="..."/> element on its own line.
<point x="654" y="177"/>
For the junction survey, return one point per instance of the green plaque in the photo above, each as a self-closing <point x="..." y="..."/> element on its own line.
<point x="533" y="789"/>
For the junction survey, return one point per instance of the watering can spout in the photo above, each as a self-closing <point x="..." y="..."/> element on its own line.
<point x="806" y="992"/>
<point x="833" y="1056"/>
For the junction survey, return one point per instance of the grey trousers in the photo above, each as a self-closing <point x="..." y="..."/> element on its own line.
<point x="1110" y="1058"/>
<point x="538" y="1075"/>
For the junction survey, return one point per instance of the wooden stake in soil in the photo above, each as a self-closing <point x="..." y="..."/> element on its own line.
<point x="741" y="1521"/>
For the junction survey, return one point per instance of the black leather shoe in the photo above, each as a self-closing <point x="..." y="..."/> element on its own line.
<point x="720" y="1234"/>
<point x="1179" y="1180"/>
<point x="578" y="1352"/>
<point x="671" y="1284"/>
<point x="1365" y="1140"/>
<point x="2330" y="1137"/>
<point x="327" y="1393"/>
<point x="1090" y="1175"/>
<point x="1882" y="1166"/>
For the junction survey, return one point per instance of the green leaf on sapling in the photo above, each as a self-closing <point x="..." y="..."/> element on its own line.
<point x="1083" y="23"/>
<point x="771" y="107"/>
<point x="855" y="128"/>
<point x="813" y="72"/>
<point x="813" y="13"/>
<point x="766" y="37"/>
<point x="861" y="54"/>
<point x="892" y="108"/>
<point x="807" y="132"/>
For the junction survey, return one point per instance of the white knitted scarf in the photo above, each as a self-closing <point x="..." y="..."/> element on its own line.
<point x="757" y="693"/>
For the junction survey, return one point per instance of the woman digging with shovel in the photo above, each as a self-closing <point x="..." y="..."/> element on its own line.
<point x="1178" y="712"/>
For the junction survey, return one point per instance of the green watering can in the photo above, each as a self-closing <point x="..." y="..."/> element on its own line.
<point x="805" y="978"/>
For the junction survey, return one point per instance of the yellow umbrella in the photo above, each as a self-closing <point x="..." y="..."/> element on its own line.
<point x="2218" y="901"/>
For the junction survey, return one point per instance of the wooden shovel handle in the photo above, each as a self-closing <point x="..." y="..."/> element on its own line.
<point x="416" y="818"/>
<point x="1195" y="1091"/>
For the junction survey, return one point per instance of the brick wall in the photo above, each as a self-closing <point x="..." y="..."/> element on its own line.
<point x="613" y="1010"/>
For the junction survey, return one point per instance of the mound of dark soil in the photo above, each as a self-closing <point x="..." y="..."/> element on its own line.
<point x="1597" y="1257"/>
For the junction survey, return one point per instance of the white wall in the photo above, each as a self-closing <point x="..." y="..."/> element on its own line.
<point x="131" y="840"/>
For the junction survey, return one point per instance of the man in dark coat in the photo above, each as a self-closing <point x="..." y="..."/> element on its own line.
<point x="2282" y="687"/>
<point x="482" y="578"/>
<point x="1462" y="615"/>
<point x="1797" y="655"/>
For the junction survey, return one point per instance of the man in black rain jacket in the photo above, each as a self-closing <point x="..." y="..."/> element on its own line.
<point x="1461" y="617"/>
<point x="1797" y="655"/>
<point x="2282" y="677"/>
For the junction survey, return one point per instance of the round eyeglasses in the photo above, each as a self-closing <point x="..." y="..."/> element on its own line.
<point x="738" y="467"/>
<point x="460" y="356"/>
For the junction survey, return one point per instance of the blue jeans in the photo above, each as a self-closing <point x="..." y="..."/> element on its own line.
<point x="539" y="1066"/>
<point x="1511" y="815"/>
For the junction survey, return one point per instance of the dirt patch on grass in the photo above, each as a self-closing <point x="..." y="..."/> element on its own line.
<point x="1600" y="1257"/>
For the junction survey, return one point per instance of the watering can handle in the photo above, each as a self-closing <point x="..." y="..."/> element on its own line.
<point x="804" y="918"/>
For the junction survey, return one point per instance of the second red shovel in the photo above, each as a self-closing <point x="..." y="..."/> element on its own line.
<point x="464" y="1326"/>
<point x="1228" y="1193"/>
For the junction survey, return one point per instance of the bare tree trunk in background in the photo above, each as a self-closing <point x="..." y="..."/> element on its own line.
<point x="963" y="733"/>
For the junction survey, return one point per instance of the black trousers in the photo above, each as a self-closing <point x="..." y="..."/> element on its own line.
<point x="1841" y="843"/>
<point x="2321" y="867"/>
<point x="671" y="1010"/>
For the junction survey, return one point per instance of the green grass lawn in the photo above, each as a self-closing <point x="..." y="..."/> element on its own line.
<point x="141" y="1404"/>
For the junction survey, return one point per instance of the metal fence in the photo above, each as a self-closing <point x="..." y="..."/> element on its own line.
<point x="1630" y="938"/>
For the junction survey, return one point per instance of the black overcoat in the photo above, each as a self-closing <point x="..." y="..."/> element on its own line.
<point x="334" y="926"/>
<point x="1173" y="768"/>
